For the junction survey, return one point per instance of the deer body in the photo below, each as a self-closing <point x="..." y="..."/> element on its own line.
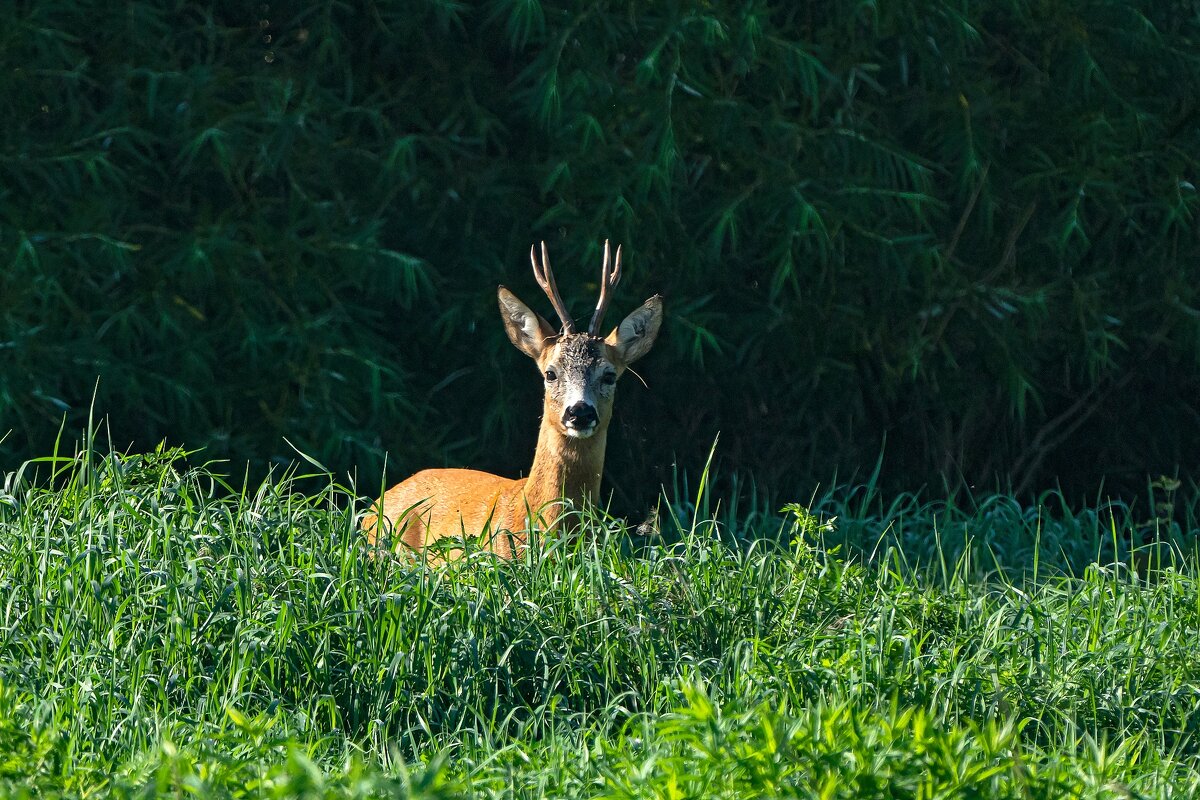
<point x="580" y="372"/>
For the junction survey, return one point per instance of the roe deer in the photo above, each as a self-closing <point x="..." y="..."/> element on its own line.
<point x="580" y="371"/>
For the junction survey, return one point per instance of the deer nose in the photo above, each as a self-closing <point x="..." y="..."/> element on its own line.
<point x="580" y="415"/>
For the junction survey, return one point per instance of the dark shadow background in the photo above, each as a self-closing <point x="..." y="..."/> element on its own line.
<point x="971" y="235"/>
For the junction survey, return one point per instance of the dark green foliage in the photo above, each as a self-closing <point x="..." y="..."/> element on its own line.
<point x="969" y="229"/>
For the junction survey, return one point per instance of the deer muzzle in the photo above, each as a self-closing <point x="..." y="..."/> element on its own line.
<point x="580" y="419"/>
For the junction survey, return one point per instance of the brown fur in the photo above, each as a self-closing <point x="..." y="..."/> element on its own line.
<point x="444" y="503"/>
<point x="436" y="504"/>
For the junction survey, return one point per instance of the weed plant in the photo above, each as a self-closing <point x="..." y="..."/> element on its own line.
<point x="161" y="634"/>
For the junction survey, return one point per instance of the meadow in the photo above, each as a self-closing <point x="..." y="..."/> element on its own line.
<point x="963" y="233"/>
<point x="164" y="634"/>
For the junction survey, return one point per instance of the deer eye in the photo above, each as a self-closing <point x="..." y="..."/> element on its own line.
<point x="609" y="378"/>
<point x="551" y="374"/>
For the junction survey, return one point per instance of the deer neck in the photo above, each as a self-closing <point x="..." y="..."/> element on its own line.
<point x="564" y="467"/>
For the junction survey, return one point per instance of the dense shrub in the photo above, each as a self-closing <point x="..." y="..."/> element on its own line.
<point x="966" y="229"/>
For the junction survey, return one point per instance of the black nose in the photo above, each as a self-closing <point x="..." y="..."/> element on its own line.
<point x="580" y="415"/>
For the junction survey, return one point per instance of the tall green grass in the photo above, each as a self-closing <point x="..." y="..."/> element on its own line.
<point x="161" y="633"/>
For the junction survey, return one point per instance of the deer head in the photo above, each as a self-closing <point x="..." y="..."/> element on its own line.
<point x="580" y="370"/>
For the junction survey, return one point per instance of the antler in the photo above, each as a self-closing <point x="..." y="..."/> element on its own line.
<point x="545" y="278"/>
<point x="609" y="278"/>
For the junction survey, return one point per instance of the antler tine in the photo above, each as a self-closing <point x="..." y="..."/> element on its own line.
<point x="545" y="279"/>
<point x="608" y="281"/>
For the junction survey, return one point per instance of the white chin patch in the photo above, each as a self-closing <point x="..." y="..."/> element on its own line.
<point x="580" y="433"/>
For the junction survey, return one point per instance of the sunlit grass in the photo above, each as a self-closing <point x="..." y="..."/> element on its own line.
<point x="161" y="633"/>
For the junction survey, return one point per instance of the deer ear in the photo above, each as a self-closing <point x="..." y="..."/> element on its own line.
<point x="634" y="337"/>
<point x="526" y="328"/>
